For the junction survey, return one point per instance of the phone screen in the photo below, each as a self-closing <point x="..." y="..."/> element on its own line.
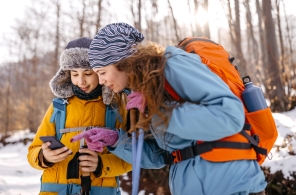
<point x="55" y="143"/>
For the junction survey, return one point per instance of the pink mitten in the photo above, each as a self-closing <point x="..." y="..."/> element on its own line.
<point x="97" y="138"/>
<point x="108" y="137"/>
<point x="98" y="146"/>
<point x="136" y="100"/>
<point x="84" y="134"/>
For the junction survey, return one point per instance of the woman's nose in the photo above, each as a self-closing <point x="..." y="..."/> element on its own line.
<point x="102" y="81"/>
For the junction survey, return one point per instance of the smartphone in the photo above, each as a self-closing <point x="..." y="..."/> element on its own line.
<point x="55" y="143"/>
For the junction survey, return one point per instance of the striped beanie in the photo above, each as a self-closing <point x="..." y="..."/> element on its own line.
<point x="113" y="43"/>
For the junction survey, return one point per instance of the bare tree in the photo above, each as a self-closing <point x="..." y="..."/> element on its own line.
<point x="230" y="23"/>
<point x="235" y="35"/>
<point x="192" y="24"/>
<point x="81" y="19"/>
<point x="57" y="37"/>
<point x="282" y="56"/>
<point x="198" y="30"/>
<point x="140" y="15"/>
<point x="99" y="15"/>
<point x="174" y="20"/>
<point x="288" y="31"/>
<point x="206" y="27"/>
<point x="7" y="103"/>
<point x="252" y="46"/>
<point x="278" y="99"/>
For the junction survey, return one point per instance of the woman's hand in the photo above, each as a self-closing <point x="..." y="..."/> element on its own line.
<point x="88" y="163"/>
<point x="54" y="156"/>
<point x="136" y="100"/>
<point x="97" y="138"/>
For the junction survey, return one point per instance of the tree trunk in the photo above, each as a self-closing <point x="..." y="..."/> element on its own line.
<point x="192" y="24"/>
<point x="174" y="21"/>
<point x="240" y="58"/>
<point x="81" y="19"/>
<point x="140" y="16"/>
<point x="279" y="101"/>
<point x="282" y="56"/>
<point x="198" y="31"/>
<point x="57" y="39"/>
<point x="291" y="61"/>
<point x="7" y="103"/>
<point x="230" y="25"/>
<point x="99" y="15"/>
<point x="252" y="47"/>
<point x="206" y="25"/>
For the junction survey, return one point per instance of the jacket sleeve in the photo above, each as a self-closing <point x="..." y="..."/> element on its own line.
<point x="212" y="111"/>
<point x="45" y="129"/>
<point x="113" y="166"/>
<point x="151" y="155"/>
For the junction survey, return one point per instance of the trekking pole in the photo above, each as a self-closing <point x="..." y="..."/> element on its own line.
<point x="137" y="157"/>
<point x="85" y="179"/>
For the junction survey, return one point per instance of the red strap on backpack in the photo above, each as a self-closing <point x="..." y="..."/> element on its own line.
<point x="171" y="91"/>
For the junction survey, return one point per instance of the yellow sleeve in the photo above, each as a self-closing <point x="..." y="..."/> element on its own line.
<point x="113" y="166"/>
<point x="46" y="128"/>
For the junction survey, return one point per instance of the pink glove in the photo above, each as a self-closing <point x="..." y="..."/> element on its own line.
<point x="97" y="138"/>
<point x="136" y="100"/>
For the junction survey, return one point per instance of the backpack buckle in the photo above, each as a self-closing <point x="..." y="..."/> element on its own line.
<point x="177" y="156"/>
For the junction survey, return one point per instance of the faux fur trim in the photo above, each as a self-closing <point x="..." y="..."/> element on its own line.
<point x="74" y="58"/>
<point x="70" y="59"/>
<point x="61" y="85"/>
<point x="107" y="94"/>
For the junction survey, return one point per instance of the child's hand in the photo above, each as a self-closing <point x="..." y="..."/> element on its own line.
<point x="54" y="156"/>
<point x="88" y="163"/>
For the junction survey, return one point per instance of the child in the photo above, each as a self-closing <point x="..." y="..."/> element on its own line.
<point x="76" y="82"/>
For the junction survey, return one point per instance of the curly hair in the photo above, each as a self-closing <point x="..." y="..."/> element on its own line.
<point x="145" y="70"/>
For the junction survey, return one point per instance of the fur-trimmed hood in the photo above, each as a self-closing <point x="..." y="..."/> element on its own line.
<point x="74" y="56"/>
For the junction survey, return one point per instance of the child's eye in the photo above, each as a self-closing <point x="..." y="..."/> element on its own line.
<point x="88" y="74"/>
<point x="74" y="75"/>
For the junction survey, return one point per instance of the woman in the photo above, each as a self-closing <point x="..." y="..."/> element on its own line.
<point x="76" y="82"/>
<point x="210" y="111"/>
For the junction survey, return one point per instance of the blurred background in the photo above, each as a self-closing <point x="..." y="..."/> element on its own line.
<point x="260" y="34"/>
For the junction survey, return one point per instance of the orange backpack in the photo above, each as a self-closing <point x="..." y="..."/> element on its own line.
<point x="259" y="133"/>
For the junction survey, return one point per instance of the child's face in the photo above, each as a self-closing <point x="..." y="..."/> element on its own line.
<point x="111" y="77"/>
<point x="87" y="80"/>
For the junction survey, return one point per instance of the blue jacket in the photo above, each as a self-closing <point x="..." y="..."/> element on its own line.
<point x="219" y="114"/>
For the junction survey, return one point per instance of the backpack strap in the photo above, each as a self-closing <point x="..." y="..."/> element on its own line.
<point x="198" y="149"/>
<point x="111" y="115"/>
<point x="59" y="115"/>
<point x="171" y="90"/>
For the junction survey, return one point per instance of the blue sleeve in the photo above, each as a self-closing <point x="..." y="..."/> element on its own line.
<point x="151" y="155"/>
<point x="212" y="111"/>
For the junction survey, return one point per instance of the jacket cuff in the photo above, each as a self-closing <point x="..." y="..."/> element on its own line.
<point x="43" y="161"/>
<point x="98" y="171"/>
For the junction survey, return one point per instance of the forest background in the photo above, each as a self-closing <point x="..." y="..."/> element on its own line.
<point x="260" y="34"/>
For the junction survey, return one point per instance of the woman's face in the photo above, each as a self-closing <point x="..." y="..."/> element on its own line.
<point x="111" y="77"/>
<point x="87" y="80"/>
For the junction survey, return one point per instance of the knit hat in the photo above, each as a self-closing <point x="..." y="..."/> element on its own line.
<point x="74" y="56"/>
<point x="112" y="43"/>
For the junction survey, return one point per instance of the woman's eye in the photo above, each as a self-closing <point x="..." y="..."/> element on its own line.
<point x="101" y="73"/>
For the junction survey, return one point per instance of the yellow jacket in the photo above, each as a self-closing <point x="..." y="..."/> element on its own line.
<point x="79" y="113"/>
